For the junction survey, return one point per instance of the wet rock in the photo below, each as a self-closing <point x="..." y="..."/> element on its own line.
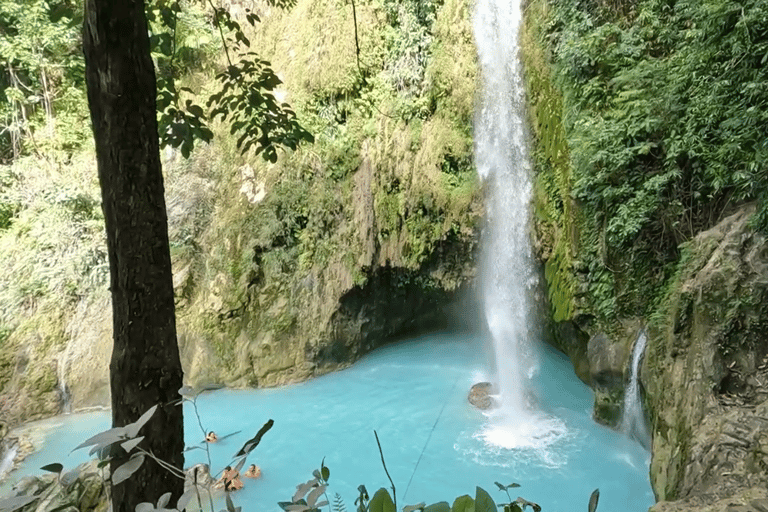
<point x="479" y="395"/>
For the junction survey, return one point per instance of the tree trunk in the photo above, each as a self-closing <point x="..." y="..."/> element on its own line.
<point x="145" y="368"/>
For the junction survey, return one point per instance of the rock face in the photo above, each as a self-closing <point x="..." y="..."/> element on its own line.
<point x="706" y="372"/>
<point x="287" y="270"/>
<point x="479" y="395"/>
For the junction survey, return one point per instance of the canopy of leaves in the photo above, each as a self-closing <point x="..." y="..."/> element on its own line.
<point x="665" y="108"/>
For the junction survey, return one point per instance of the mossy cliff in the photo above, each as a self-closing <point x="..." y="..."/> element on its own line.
<point x="643" y="223"/>
<point x="282" y="271"/>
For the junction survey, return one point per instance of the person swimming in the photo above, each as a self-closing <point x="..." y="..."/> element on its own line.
<point x="253" y="471"/>
<point x="211" y="437"/>
<point x="230" y="480"/>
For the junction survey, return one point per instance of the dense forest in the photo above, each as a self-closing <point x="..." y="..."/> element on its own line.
<point x="649" y="128"/>
<point x="661" y="136"/>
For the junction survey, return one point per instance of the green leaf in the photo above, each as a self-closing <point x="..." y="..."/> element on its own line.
<point x="312" y="497"/>
<point x="132" y="429"/>
<point x="413" y="508"/>
<point x="105" y="438"/>
<point x="500" y="486"/>
<point x="325" y="472"/>
<point x="252" y="443"/>
<point x="593" y="500"/>
<point x="513" y="485"/>
<point x="441" y="506"/>
<point x="303" y="489"/>
<point x="196" y="111"/>
<point x="382" y="502"/>
<point x="463" y="504"/>
<point x="164" y="499"/>
<point x="53" y="468"/>
<point x="186" y="498"/>
<point x="483" y="501"/>
<point x="126" y="470"/>
<point x="129" y="445"/>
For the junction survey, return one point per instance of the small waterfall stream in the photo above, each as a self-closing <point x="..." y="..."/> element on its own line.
<point x="6" y="458"/>
<point x="633" y="418"/>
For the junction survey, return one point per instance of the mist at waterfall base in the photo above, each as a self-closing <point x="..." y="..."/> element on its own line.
<point x="414" y="394"/>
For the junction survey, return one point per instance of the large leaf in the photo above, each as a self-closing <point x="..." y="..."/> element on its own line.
<point x="16" y="502"/>
<point x="303" y="489"/>
<point x="185" y="499"/>
<point x="126" y="470"/>
<point x="131" y="444"/>
<point x="252" y="443"/>
<point x="441" y="506"/>
<point x="53" y="468"/>
<point x="593" y="500"/>
<point x="164" y="499"/>
<point x="105" y="438"/>
<point x="132" y="429"/>
<point x="382" y="502"/>
<point x="316" y="493"/>
<point x="483" y="501"/>
<point x="463" y="504"/>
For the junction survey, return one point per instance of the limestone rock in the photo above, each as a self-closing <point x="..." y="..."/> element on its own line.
<point x="706" y="375"/>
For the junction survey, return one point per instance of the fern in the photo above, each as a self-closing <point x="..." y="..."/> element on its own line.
<point x="338" y="504"/>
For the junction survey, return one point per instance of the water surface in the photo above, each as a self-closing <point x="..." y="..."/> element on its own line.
<point x="414" y="395"/>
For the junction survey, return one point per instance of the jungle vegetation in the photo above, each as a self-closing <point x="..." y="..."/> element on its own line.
<point x="652" y="118"/>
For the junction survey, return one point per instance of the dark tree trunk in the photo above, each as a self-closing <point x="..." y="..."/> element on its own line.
<point x="145" y="368"/>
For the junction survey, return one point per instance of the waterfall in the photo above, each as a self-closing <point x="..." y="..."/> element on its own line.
<point x="508" y="276"/>
<point x="64" y="393"/>
<point x="6" y="459"/>
<point x="501" y="156"/>
<point x="633" y="418"/>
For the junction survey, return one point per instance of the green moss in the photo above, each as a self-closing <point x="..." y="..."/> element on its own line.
<point x="554" y="210"/>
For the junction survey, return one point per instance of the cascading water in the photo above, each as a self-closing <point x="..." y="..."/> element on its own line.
<point x="508" y="276"/>
<point x="66" y="396"/>
<point x="6" y="458"/>
<point x="633" y="419"/>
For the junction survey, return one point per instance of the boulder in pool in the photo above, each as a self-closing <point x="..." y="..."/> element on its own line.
<point x="480" y="395"/>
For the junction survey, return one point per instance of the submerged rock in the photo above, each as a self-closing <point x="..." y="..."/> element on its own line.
<point x="479" y="395"/>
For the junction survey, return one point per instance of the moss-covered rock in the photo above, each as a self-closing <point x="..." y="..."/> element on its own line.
<point x="706" y="368"/>
<point x="282" y="271"/>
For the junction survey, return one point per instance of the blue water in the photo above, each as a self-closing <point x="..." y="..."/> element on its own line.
<point x="414" y="395"/>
